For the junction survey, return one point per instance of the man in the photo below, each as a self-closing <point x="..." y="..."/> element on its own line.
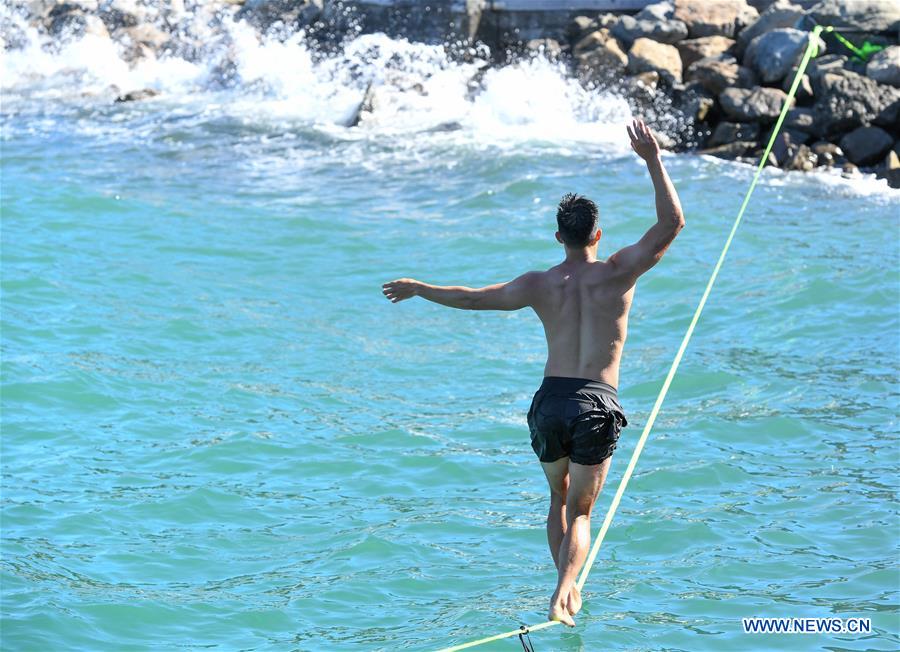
<point x="575" y="417"/>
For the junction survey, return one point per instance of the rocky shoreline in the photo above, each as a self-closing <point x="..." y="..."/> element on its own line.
<point x="707" y="75"/>
<point x="727" y="68"/>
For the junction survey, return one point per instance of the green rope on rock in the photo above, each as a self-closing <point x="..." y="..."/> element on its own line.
<point x="863" y="53"/>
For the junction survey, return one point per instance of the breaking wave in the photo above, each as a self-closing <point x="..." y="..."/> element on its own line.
<point x="370" y="85"/>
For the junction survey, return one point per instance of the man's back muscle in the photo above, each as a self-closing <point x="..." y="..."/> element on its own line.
<point x="584" y="308"/>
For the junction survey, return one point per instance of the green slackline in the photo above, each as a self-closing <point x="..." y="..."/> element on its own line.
<point x="812" y="49"/>
<point x="862" y="53"/>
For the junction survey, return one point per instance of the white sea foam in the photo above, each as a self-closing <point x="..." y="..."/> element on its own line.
<point x="415" y="88"/>
<point x="417" y="92"/>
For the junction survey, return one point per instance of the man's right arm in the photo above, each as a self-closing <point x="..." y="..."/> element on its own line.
<point x="636" y="259"/>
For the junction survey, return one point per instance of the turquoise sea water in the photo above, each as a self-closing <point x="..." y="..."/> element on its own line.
<point x="217" y="434"/>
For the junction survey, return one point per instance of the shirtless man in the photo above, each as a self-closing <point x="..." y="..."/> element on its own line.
<point x="575" y="417"/>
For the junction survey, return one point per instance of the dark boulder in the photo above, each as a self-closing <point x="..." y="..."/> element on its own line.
<point x="718" y="73"/>
<point x="862" y="15"/>
<point x="884" y="67"/>
<point x="714" y="17"/>
<point x="735" y="150"/>
<point x="646" y="54"/>
<point x="828" y="154"/>
<point x="779" y="14"/>
<point x="757" y="105"/>
<point x="694" y="49"/>
<point x="655" y="22"/>
<point x="694" y="101"/>
<point x="599" y="57"/>
<point x="545" y="47"/>
<point x="801" y="119"/>
<point x="800" y="158"/>
<point x="729" y="132"/>
<point x="846" y="100"/>
<point x="293" y="14"/>
<point x="773" y="54"/>
<point x="866" y="145"/>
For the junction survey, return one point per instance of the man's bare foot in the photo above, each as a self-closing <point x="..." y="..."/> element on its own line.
<point x="573" y="603"/>
<point x="558" y="612"/>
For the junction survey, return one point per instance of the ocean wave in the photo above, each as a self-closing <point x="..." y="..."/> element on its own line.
<point x="372" y="85"/>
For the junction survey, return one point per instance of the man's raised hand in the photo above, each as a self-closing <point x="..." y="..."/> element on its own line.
<point x="642" y="141"/>
<point x="402" y="288"/>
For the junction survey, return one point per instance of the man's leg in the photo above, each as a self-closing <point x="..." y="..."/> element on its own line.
<point x="585" y="483"/>
<point x="558" y="478"/>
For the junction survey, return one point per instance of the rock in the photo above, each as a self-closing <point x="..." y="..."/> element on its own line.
<point x="728" y="132"/>
<point x="801" y="120"/>
<point x="366" y="105"/>
<point x="826" y="63"/>
<point x="798" y="136"/>
<point x="714" y="17"/>
<point x="694" y="101"/>
<point x="759" y="104"/>
<point x="862" y="15"/>
<point x="828" y="154"/>
<point x="848" y="170"/>
<point x="889" y="117"/>
<point x="133" y="96"/>
<point x="793" y="155"/>
<point x="793" y="136"/>
<point x="591" y="41"/>
<point x="804" y="92"/>
<point x="892" y="177"/>
<point x="890" y="168"/>
<point x="134" y="53"/>
<point x="115" y="19"/>
<point x="884" y="67"/>
<point x="731" y="151"/>
<point x="846" y="100"/>
<point x="49" y="8"/>
<point x="694" y="49"/>
<point x="65" y="18"/>
<point x="704" y="106"/>
<point x="654" y="21"/>
<point x="603" y="62"/>
<point x="13" y="35"/>
<point x="148" y="35"/>
<point x="781" y="149"/>
<point x="716" y="74"/>
<point x="779" y="14"/>
<point x="761" y="5"/>
<point x="294" y="14"/>
<point x="607" y="20"/>
<point x="579" y="27"/>
<point x="122" y="13"/>
<point x="648" y="79"/>
<point x="546" y="47"/>
<point x="773" y="54"/>
<point x="866" y="145"/>
<point x="646" y="55"/>
<point x="802" y="160"/>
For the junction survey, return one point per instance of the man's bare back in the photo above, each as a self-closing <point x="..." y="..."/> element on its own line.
<point x="584" y="309"/>
<point x="575" y="417"/>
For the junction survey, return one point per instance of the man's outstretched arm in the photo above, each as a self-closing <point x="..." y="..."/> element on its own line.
<point x="513" y="295"/>
<point x="636" y="259"/>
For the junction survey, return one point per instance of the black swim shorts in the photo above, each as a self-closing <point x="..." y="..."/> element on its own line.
<point x="577" y="417"/>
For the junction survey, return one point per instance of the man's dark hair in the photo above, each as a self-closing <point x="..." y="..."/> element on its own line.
<point x="577" y="219"/>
